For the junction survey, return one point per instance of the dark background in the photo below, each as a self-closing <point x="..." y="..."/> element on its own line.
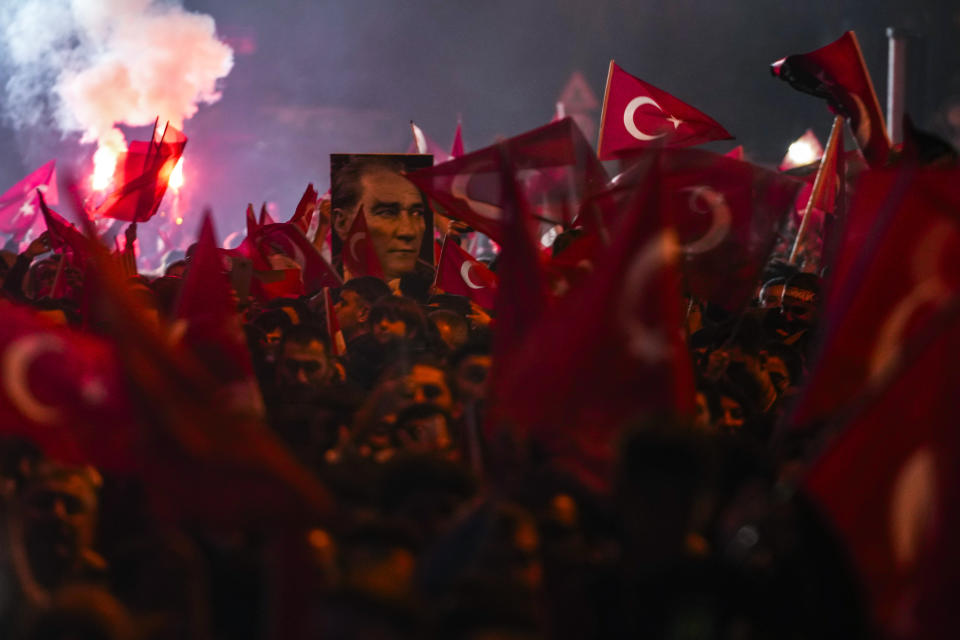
<point x="311" y="78"/>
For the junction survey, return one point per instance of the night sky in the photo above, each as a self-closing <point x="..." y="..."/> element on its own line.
<point x="311" y="78"/>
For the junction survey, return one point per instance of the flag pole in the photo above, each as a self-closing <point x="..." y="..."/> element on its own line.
<point x="603" y="110"/>
<point x="818" y="185"/>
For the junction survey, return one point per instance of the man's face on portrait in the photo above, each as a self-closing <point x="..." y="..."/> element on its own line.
<point x="395" y="215"/>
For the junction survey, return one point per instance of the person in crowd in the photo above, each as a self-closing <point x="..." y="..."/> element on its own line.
<point x="452" y="328"/>
<point x="352" y="306"/>
<point x="58" y="511"/>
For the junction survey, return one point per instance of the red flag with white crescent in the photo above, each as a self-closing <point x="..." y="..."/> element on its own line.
<point x="359" y="256"/>
<point x="555" y="160"/>
<point x="287" y="239"/>
<point x="637" y="114"/>
<point x="19" y="208"/>
<point x="606" y="353"/>
<point x="893" y="274"/>
<point x="461" y="274"/>
<point x="64" y="391"/>
<point x="726" y="214"/>
<point x="838" y="73"/>
<point x="305" y="210"/>
<point x="889" y="484"/>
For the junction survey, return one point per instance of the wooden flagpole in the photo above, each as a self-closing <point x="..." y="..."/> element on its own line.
<point x="818" y="184"/>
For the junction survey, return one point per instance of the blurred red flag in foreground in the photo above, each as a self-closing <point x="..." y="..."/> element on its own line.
<point x="65" y="391"/>
<point x="209" y="461"/>
<point x="890" y="484"/>
<point x="893" y="273"/>
<point x="637" y="114"/>
<point x="605" y="354"/>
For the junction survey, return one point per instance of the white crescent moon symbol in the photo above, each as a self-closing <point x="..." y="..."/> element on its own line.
<point x="929" y="288"/>
<point x="465" y="274"/>
<point x="645" y="344"/>
<point x="353" y="245"/>
<point x="863" y="126"/>
<point x="231" y="239"/>
<point x="458" y="189"/>
<point x="718" y="208"/>
<point x="16" y="365"/>
<point x="912" y="505"/>
<point x="631" y="126"/>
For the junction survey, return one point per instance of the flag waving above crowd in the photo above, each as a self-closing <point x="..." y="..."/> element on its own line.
<point x="637" y="114"/>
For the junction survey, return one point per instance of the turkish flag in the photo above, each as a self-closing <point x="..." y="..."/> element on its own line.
<point x="271" y="284"/>
<point x="212" y="460"/>
<point x="894" y="273"/>
<point x="461" y="274"/>
<point x="456" y="149"/>
<point x="252" y="224"/>
<point x="305" y="209"/>
<point x="265" y="217"/>
<point x="889" y="484"/>
<point x="838" y="73"/>
<point x="64" y="391"/>
<point x="736" y="153"/>
<point x="521" y="296"/>
<point x="424" y="145"/>
<point x="19" y="208"/>
<point x="287" y="239"/>
<point x="213" y="329"/>
<point x="146" y="172"/>
<point x="63" y="235"/>
<point x="726" y="214"/>
<point x="636" y="114"/>
<point x="572" y="266"/>
<point x="247" y="248"/>
<point x="359" y="256"/>
<point x="555" y="161"/>
<point x="607" y="353"/>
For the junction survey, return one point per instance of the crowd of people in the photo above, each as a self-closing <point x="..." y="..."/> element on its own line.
<point x="435" y="531"/>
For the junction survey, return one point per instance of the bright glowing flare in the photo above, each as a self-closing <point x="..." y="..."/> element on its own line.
<point x="176" y="176"/>
<point x="104" y="164"/>
<point x="801" y="152"/>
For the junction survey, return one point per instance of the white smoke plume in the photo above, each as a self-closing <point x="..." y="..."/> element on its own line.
<point x="88" y="65"/>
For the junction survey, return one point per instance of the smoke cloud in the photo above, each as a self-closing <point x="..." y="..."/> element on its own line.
<point x="86" y="66"/>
